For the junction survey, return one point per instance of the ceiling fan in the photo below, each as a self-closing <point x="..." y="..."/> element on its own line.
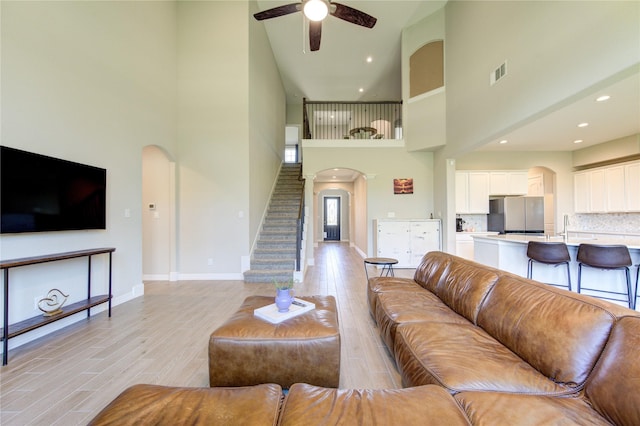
<point x="316" y="11"/>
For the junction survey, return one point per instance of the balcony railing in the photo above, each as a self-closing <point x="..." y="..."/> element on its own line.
<point x="352" y="120"/>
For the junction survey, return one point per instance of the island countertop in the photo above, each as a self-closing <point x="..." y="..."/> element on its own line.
<point x="633" y="243"/>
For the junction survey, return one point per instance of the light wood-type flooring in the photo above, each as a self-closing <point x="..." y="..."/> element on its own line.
<point x="67" y="377"/>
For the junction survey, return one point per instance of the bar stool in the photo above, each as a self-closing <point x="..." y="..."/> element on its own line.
<point x="606" y="257"/>
<point x="550" y="254"/>
<point x="635" y="297"/>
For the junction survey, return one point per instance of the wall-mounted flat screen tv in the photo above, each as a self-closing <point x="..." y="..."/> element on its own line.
<point x="42" y="194"/>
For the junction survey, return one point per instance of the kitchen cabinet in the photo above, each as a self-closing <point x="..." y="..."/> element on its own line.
<point x="508" y="182"/>
<point x="406" y="240"/>
<point x="614" y="191"/>
<point x="581" y="192"/>
<point x="597" y="194"/>
<point x="632" y="187"/>
<point x="608" y="189"/>
<point x="472" y="192"/>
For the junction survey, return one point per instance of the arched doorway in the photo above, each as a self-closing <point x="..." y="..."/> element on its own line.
<point x="349" y="187"/>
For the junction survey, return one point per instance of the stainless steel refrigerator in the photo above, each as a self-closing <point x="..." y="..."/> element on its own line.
<point x="516" y="215"/>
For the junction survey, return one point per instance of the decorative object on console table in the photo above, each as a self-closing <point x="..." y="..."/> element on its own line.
<point x="50" y="304"/>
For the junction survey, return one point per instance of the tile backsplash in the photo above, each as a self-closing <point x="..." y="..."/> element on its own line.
<point x="618" y="223"/>
<point x="605" y="222"/>
<point x="474" y="222"/>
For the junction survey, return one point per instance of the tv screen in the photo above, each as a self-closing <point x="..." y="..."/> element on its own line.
<point x="41" y="194"/>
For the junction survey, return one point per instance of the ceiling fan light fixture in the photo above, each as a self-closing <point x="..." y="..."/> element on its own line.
<point x="316" y="10"/>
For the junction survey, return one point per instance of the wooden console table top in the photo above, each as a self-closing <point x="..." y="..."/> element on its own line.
<point x="12" y="263"/>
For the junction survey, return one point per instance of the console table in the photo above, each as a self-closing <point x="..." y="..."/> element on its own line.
<point x="11" y="330"/>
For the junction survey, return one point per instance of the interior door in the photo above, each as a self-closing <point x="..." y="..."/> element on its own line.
<point x="332" y="218"/>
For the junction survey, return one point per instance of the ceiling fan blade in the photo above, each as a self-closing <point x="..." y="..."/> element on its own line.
<point x="352" y="15"/>
<point x="315" y="33"/>
<point x="277" y="11"/>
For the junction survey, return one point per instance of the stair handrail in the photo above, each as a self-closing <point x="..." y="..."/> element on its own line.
<point x="300" y="221"/>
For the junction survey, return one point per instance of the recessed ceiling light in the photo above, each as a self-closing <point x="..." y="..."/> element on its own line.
<point x="503" y="141"/>
<point x="602" y="98"/>
<point x="361" y="90"/>
<point x="333" y="177"/>
<point x="578" y="141"/>
<point x="369" y="59"/>
<point x="583" y="124"/>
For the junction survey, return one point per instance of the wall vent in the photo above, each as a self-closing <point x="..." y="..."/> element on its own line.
<point x="498" y="73"/>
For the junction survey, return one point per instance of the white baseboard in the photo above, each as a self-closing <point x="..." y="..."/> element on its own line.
<point x="211" y="277"/>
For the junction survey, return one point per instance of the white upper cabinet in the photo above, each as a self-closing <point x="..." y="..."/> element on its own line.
<point x="632" y="186"/>
<point x="508" y="183"/>
<point x="615" y="189"/>
<point x="582" y="192"/>
<point x="472" y="192"/>
<point x="609" y="189"/>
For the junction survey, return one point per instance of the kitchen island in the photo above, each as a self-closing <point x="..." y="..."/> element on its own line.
<point x="509" y="253"/>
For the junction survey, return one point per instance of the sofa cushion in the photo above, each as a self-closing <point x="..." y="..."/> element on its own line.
<point x="164" y="405"/>
<point x="431" y="268"/>
<point x="307" y="405"/>
<point x="378" y="285"/>
<point x="557" y="334"/>
<point x="495" y="408"/>
<point x="613" y="386"/>
<point x="464" y="285"/>
<point x="463" y="357"/>
<point x="395" y="308"/>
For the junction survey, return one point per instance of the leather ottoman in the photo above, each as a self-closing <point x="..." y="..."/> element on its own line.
<point x="164" y="405"/>
<point x="247" y="350"/>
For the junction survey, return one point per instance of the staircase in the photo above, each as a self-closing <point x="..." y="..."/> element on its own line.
<point x="274" y="256"/>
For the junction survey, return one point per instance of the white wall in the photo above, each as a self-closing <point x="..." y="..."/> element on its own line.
<point x="91" y="82"/>
<point x="230" y="133"/>
<point x="267" y="112"/>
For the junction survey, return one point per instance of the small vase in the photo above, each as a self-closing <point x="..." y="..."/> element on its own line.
<point x="283" y="299"/>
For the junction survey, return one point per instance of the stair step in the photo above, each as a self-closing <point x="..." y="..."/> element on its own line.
<point x="267" y="276"/>
<point x="276" y="244"/>
<point x="273" y="264"/>
<point x="274" y="253"/>
<point x="274" y="256"/>
<point x="269" y="236"/>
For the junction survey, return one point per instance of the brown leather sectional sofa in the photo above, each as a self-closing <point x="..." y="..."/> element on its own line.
<point x="510" y="350"/>
<point x="473" y="345"/>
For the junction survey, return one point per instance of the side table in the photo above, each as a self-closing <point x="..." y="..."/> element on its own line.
<point x="386" y="263"/>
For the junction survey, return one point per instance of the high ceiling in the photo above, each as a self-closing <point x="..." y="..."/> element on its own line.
<point x="339" y="69"/>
